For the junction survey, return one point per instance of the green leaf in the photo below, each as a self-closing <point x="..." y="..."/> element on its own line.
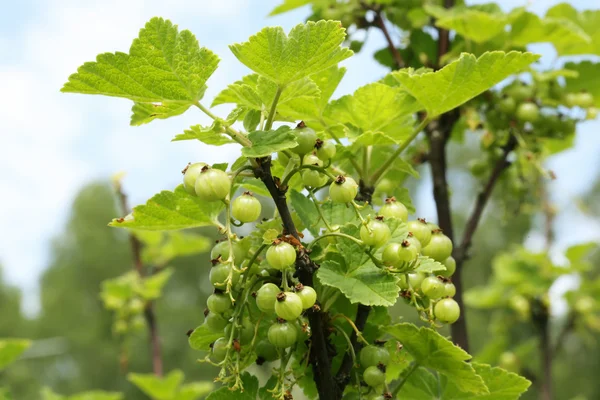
<point x="308" y="49"/>
<point x="11" y="349"/>
<point x="97" y="395"/>
<point x="172" y="244"/>
<point x="163" y="65"/>
<point x="117" y="291"/>
<point x="158" y="388"/>
<point x="143" y="113"/>
<point x="354" y="254"/>
<point x="172" y="210"/>
<point x="568" y="33"/>
<point x="270" y="235"/>
<point x="153" y="285"/>
<point x="243" y="92"/>
<point x="375" y="107"/>
<point x="461" y="80"/>
<point x="342" y="214"/>
<point x="250" y="390"/>
<point x="194" y="390"/>
<point x="428" y="265"/>
<point x="306" y="210"/>
<point x="212" y="135"/>
<point x="587" y="79"/>
<point x="431" y="350"/>
<point x="485" y="297"/>
<point x="289" y="5"/>
<point x="265" y="143"/>
<point x="366" y="284"/>
<point x="475" y="24"/>
<point x="502" y="385"/>
<point x="251" y="120"/>
<point x="311" y="109"/>
<point x="202" y="337"/>
<point x="48" y="394"/>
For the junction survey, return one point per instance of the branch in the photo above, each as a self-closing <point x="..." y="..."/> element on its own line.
<point x="540" y="317"/>
<point x="136" y="250"/>
<point x="305" y="268"/>
<point x="444" y="37"/>
<point x="362" y="314"/>
<point x="380" y="23"/>
<point x="460" y="253"/>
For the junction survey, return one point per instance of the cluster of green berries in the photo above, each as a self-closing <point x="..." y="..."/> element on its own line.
<point x="212" y="184"/>
<point x="424" y="239"/>
<point x="284" y="305"/>
<point x="374" y="360"/>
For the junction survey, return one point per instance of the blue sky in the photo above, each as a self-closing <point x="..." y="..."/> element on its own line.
<point x="54" y="143"/>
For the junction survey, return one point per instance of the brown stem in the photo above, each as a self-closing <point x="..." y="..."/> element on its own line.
<point x="438" y="137"/>
<point x="319" y="355"/>
<point x="380" y="23"/>
<point x="342" y="377"/>
<point x="461" y="253"/>
<point x="136" y="251"/>
<point x="444" y="37"/>
<point x="541" y="319"/>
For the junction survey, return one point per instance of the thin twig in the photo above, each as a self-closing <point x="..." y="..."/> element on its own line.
<point x="149" y="315"/>
<point x="380" y="23"/>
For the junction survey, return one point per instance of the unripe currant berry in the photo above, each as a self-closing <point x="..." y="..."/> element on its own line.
<point x="449" y="289"/>
<point x="219" y="274"/>
<point x="376" y="233"/>
<point x="212" y="184"/>
<point x="306" y="138"/>
<point x="394" y="209"/>
<point x="415" y="279"/>
<point x="433" y="288"/>
<point x="450" y="264"/>
<point x="312" y="178"/>
<point x="447" y="310"/>
<point x="288" y="306"/>
<point x="372" y="355"/>
<point x="414" y="242"/>
<point x="420" y="230"/>
<point x="246" y="208"/>
<point x="507" y="104"/>
<point x="282" y="334"/>
<point x="343" y="190"/>
<point x="528" y="112"/>
<point x="307" y="294"/>
<point x="281" y="255"/>
<point x="221" y="249"/>
<point x="374" y="376"/>
<point x="439" y="247"/>
<point x="190" y="174"/>
<point x="219" y="350"/>
<point x="325" y="150"/>
<point x="267" y="296"/>
<point x="219" y="303"/>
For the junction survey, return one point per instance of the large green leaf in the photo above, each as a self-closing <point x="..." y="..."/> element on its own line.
<point x="265" y="143"/>
<point x="158" y="388"/>
<point x="566" y="36"/>
<point x="257" y="92"/>
<point x="431" y="350"/>
<point x="587" y="20"/>
<point x="306" y="210"/>
<point x="365" y="284"/>
<point x="164" y="66"/>
<point x="143" y="113"/>
<point x="162" y="247"/>
<point x="213" y="135"/>
<point x="308" y="49"/>
<point x="475" y="24"/>
<point x="502" y="385"/>
<point x="202" y="337"/>
<point x="11" y="349"/>
<point x="172" y="210"/>
<point x="311" y="109"/>
<point x="375" y="107"/>
<point x="461" y="80"/>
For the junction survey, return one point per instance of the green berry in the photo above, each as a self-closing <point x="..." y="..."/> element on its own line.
<point x="281" y="255"/>
<point x="190" y="174"/>
<point x="246" y="208"/>
<point x="343" y="189"/>
<point x="212" y="184"/>
<point x="376" y="233"/>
